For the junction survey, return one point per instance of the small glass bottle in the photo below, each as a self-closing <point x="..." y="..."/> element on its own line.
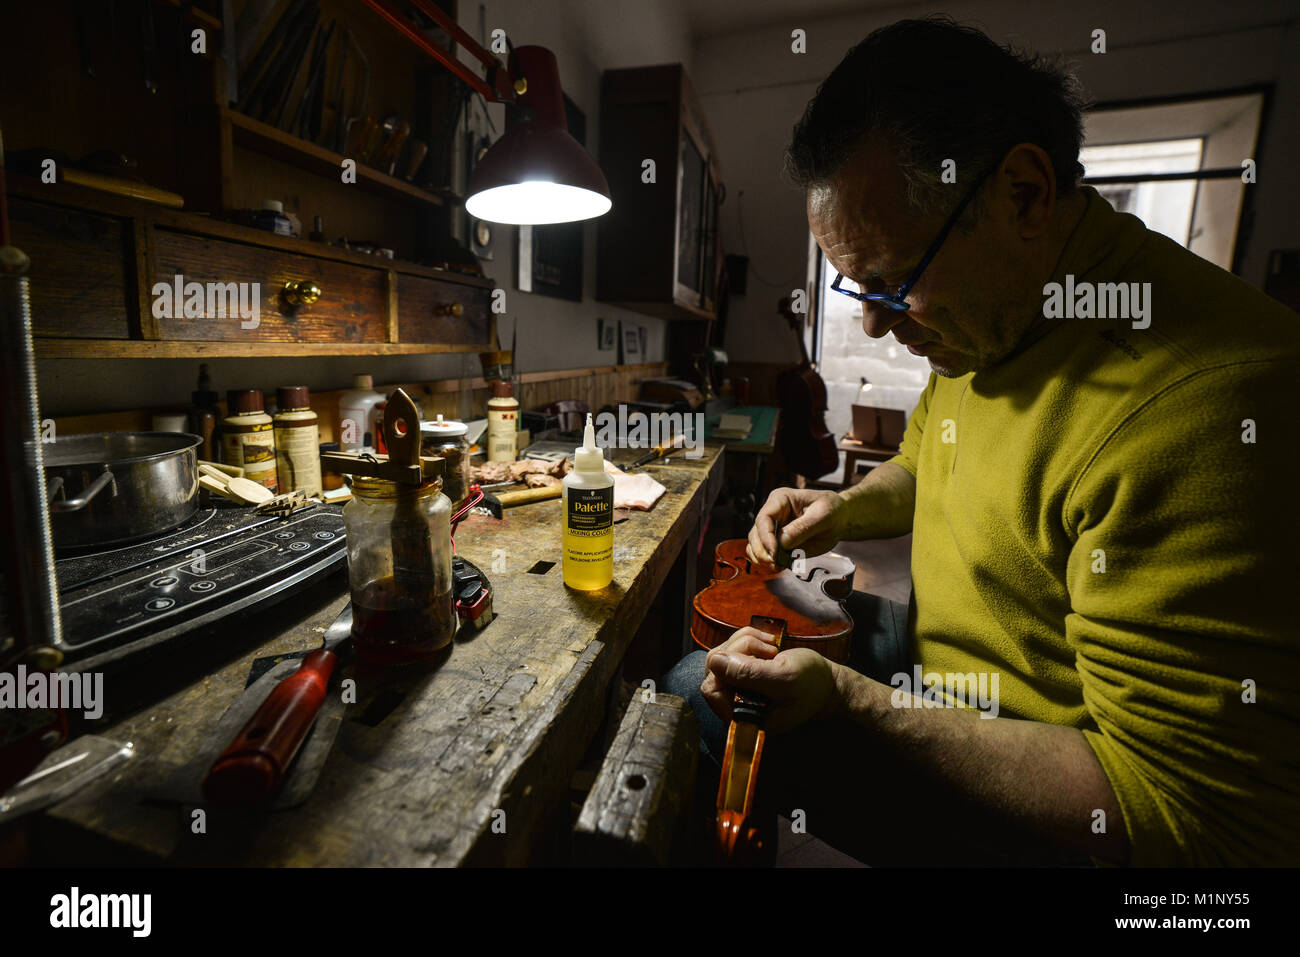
<point x="399" y="570"/>
<point x="447" y="438"/>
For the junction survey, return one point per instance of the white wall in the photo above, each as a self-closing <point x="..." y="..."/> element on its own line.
<point x="587" y="37"/>
<point x="753" y="90"/>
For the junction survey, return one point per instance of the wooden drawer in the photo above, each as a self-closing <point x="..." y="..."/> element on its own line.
<point x="426" y="311"/>
<point x="352" y="306"/>
<point x="81" y="270"/>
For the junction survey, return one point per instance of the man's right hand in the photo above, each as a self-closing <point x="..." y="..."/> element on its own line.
<point x="810" y="519"/>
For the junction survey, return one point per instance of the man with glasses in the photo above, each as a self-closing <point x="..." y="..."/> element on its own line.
<point x="1099" y="507"/>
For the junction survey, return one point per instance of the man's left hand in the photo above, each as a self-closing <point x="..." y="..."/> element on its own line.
<point x="799" y="683"/>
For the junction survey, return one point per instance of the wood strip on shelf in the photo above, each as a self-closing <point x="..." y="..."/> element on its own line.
<point x="79" y="197"/>
<point x="274" y="142"/>
<point x="50" y="348"/>
<point x="455" y="385"/>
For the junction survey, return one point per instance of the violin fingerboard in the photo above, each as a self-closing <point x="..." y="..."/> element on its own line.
<point x="771" y="626"/>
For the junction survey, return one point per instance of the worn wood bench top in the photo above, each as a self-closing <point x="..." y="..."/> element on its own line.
<point x="499" y="727"/>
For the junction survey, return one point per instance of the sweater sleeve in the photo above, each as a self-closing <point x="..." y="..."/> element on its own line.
<point x="1184" y="633"/>
<point x="910" y="450"/>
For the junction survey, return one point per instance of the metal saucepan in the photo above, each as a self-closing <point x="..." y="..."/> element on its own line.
<point x="113" y="487"/>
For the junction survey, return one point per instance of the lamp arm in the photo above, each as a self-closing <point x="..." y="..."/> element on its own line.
<point x="502" y="88"/>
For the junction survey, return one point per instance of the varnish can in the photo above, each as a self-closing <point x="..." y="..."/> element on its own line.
<point x="297" y="441"/>
<point x="248" y="436"/>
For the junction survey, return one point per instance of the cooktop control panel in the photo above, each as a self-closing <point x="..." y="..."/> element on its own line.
<point x="195" y="583"/>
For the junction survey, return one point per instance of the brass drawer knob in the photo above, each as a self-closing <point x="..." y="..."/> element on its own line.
<point x="301" y="292"/>
<point x="449" y="309"/>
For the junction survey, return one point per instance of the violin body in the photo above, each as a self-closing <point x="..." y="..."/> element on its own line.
<point x="808" y="598"/>
<point x="801" y="607"/>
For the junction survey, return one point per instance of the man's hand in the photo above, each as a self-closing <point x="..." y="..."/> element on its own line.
<point x="807" y="518"/>
<point x="799" y="683"/>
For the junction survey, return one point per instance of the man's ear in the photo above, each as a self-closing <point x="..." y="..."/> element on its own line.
<point x="1026" y="183"/>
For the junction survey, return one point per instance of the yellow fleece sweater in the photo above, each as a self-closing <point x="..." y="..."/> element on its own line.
<point x="1108" y="519"/>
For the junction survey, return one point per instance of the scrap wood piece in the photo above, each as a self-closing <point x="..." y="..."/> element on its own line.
<point x="633" y="813"/>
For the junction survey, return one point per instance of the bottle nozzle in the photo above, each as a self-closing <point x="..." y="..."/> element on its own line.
<point x="589" y="458"/>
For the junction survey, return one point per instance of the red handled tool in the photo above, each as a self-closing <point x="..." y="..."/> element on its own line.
<point x="253" y="766"/>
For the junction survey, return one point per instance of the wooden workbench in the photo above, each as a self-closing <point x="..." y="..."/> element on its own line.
<point x="500" y="726"/>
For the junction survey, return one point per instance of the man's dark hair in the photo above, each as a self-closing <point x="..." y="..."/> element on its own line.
<point x="935" y="90"/>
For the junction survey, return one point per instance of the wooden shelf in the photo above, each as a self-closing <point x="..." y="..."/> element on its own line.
<point x="266" y="139"/>
<point x="51" y="348"/>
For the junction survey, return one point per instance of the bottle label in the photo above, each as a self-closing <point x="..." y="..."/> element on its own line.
<point x="590" y="511"/>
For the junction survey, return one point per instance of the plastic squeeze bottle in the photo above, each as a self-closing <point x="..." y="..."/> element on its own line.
<point x="588" y="517"/>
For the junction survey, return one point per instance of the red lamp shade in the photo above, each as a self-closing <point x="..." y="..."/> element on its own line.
<point x="537" y="173"/>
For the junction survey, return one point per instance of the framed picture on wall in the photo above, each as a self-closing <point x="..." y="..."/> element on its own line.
<point x="631" y="345"/>
<point x="606" y="335"/>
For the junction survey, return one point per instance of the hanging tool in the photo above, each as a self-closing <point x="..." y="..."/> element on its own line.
<point x="307" y="115"/>
<point x="249" y="27"/>
<point x="292" y="64"/>
<point x="345" y="125"/>
<point x="337" y="99"/>
<point x="253" y="72"/>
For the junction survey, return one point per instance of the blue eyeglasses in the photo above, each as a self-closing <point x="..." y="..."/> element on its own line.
<point x="897" y="300"/>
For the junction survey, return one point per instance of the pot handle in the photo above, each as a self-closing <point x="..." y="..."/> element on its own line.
<point x="76" y="504"/>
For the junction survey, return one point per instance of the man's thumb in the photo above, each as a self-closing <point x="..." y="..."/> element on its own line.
<point x="794" y="531"/>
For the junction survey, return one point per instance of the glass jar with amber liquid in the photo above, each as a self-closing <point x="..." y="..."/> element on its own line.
<point x="399" y="570"/>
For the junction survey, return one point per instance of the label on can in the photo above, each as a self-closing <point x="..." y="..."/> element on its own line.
<point x="254" y="451"/>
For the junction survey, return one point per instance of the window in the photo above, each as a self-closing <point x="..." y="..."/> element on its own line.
<point x="1164" y="205"/>
<point x="1177" y="166"/>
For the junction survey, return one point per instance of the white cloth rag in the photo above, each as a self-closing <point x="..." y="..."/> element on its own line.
<point x="634" y="491"/>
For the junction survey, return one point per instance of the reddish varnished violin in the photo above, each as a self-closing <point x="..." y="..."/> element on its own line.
<point x="802" y="606"/>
